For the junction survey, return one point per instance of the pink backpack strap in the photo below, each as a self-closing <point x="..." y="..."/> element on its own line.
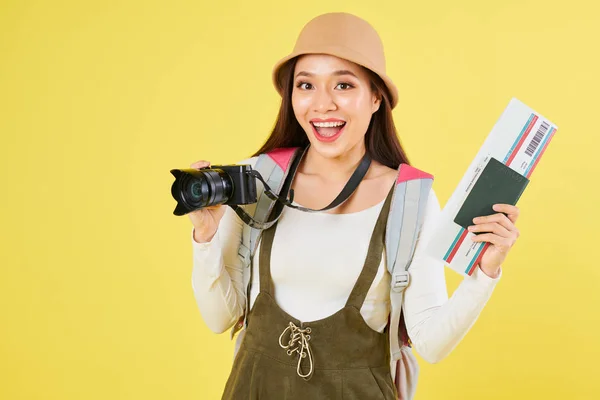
<point x="282" y="156"/>
<point x="408" y="172"/>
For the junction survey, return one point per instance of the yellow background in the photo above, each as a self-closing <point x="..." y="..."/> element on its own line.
<point x="99" y="100"/>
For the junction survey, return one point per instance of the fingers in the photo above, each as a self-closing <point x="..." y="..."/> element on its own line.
<point x="492" y="227"/>
<point x="200" y="164"/>
<point x="500" y="229"/>
<point x="501" y="219"/>
<point x="511" y="211"/>
<point x="501" y="244"/>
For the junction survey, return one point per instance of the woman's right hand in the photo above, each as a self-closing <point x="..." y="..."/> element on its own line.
<point x="205" y="220"/>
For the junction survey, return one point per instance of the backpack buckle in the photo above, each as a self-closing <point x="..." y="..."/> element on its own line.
<point x="400" y="280"/>
<point x="244" y="254"/>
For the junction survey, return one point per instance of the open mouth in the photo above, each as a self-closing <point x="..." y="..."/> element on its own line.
<point x="328" y="131"/>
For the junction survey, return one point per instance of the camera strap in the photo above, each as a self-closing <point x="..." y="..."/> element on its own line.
<point x="357" y="176"/>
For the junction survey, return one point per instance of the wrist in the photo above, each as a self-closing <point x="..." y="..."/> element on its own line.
<point x="495" y="273"/>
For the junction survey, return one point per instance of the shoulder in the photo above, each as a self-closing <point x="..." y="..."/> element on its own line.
<point x="378" y="171"/>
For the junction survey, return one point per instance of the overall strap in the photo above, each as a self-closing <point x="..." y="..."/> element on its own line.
<point x="373" y="259"/>
<point x="266" y="282"/>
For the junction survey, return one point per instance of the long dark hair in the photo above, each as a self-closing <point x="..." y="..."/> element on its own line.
<point x="381" y="140"/>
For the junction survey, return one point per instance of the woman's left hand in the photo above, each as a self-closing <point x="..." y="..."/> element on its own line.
<point x="501" y="235"/>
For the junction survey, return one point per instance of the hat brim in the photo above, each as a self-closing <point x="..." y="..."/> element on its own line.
<point x="337" y="51"/>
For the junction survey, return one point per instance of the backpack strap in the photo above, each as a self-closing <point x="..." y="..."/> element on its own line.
<point x="274" y="167"/>
<point x="402" y="231"/>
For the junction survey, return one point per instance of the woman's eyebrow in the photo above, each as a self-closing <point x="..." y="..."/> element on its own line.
<point x="344" y="72"/>
<point x="335" y="73"/>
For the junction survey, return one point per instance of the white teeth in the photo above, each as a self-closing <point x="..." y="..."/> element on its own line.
<point x="327" y="135"/>
<point x="328" y="124"/>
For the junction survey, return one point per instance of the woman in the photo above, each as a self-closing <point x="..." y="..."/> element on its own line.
<point x="337" y="100"/>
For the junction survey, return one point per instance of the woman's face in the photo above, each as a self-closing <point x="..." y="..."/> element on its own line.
<point x="333" y="102"/>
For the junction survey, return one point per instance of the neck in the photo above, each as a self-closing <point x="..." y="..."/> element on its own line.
<point x="332" y="169"/>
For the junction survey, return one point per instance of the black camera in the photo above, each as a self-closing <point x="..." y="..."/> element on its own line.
<point x="219" y="184"/>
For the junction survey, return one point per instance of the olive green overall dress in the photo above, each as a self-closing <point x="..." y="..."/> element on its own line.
<point x="337" y="357"/>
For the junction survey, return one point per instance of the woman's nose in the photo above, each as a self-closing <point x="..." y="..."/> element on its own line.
<point x="323" y="101"/>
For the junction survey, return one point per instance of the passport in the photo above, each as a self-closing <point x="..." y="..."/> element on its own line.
<point x="496" y="184"/>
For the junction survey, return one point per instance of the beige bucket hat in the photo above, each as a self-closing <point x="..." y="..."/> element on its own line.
<point x="345" y="36"/>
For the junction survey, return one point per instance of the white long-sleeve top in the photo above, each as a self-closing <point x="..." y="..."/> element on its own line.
<point x="315" y="262"/>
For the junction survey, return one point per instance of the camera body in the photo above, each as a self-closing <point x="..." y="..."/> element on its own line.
<point x="244" y="185"/>
<point x="219" y="184"/>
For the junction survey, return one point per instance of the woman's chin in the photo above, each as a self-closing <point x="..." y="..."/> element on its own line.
<point x="328" y="150"/>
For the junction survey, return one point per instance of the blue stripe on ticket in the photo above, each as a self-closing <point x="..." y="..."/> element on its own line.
<point x="454" y="243"/>
<point x="518" y="139"/>
<point x="481" y="244"/>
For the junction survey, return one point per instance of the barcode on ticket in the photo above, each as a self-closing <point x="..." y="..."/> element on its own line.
<point x="537" y="139"/>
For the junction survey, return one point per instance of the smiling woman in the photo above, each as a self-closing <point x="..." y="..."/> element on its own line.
<point x="325" y="88"/>
<point x="329" y="99"/>
<point x="321" y="319"/>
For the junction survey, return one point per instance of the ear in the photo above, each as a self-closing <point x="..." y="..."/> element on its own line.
<point x="376" y="102"/>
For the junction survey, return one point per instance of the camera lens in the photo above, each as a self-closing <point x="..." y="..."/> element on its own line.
<point x="195" y="190"/>
<point x="202" y="188"/>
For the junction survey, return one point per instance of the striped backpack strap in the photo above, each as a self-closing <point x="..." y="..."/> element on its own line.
<point x="404" y="224"/>
<point x="274" y="167"/>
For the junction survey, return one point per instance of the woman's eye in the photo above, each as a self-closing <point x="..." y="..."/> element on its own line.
<point x="304" y="85"/>
<point x="344" y="85"/>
